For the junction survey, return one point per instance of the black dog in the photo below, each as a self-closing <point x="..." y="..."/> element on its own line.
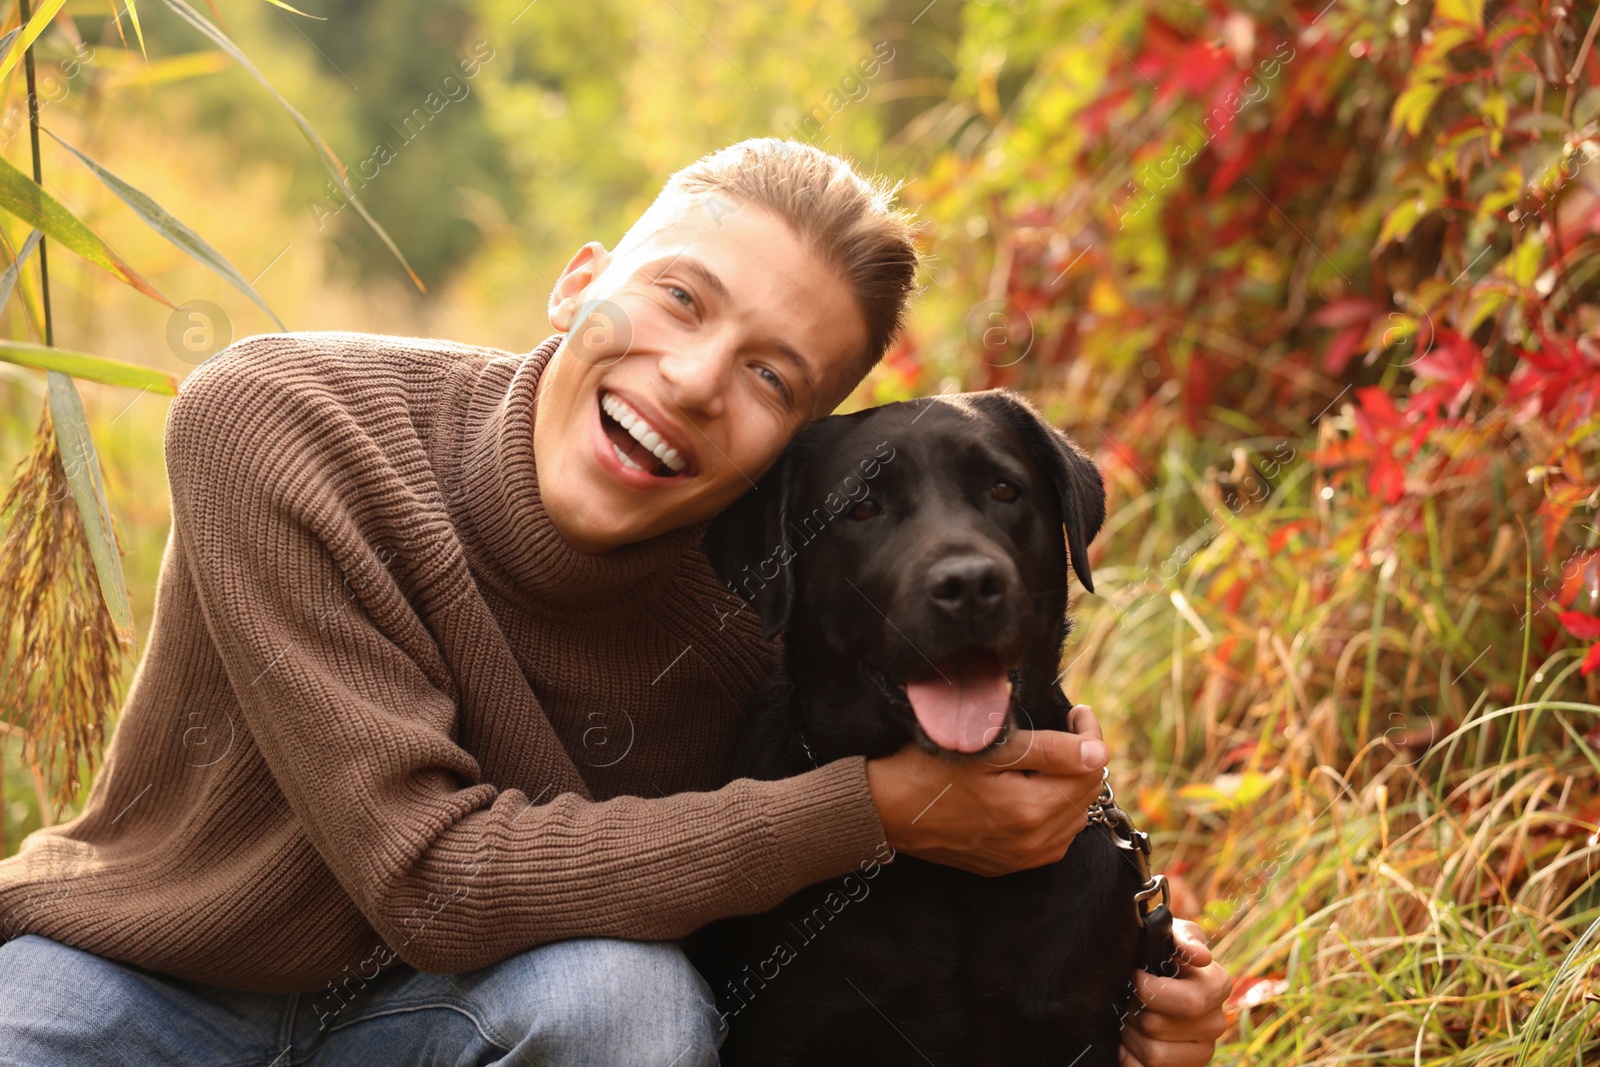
<point x="913" y="553"/>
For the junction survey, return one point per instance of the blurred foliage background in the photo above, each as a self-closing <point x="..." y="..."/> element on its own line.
<point x="1316" y="283"/>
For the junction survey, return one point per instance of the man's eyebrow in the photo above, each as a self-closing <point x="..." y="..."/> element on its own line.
<point x="702" y="272"/>
<point x="802" y="369"/>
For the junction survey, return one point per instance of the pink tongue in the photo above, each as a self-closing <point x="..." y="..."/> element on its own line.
<point x="962" y="704"/>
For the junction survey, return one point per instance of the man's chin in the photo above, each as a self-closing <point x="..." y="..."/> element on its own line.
<point x="597" y="532"/>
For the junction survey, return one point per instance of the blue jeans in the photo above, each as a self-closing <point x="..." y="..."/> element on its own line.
<point x="590" y="1001"/>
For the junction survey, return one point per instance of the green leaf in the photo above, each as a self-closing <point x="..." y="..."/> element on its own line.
<point x="138" y="31"/>
<point x="83" y="475"/>
<point x="1229" y="792"/>
<point x="1506" y="192"/>
<point x="1536" y="123"/>
<point x="30" y="33"/>
<point x="330" y="162"/>
<point x="30" y="295"/>
<point x="1446" y="39"/>
<point x="1464" y="12"/>
<point x="8" y="280"/>
<point x="21" y="195"/>
<point x="172" y="229"/>
<point x="93" y="368"/>
<point x="122" y="72"/>
<point x="1412" y="107"/>
<point x="1494" y="109"/>
<point x="1401" y="218"/>
<point x="1479" y="308"/>
<point x="1587" y="108"/>
<point x="1522" y="265"/>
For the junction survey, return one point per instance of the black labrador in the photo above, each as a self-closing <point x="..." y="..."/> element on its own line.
<point x="913" y="556"/>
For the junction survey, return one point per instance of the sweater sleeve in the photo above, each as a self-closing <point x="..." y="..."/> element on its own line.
<point x="359" y="733"/>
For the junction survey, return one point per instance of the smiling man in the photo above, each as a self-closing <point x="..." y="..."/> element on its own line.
<point x="426" y="761"/>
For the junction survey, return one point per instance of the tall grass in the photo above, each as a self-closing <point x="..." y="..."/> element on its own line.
<point x="1380" y="787"/>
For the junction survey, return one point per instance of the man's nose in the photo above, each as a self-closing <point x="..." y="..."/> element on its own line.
<point x="695" y="375"/>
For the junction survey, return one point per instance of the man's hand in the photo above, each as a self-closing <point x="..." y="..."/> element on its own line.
<point x="1016" y="807"/>
<point x="1182" y="1018"/>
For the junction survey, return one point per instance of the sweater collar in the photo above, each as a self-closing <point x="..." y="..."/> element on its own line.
<point x="500" y="498"/>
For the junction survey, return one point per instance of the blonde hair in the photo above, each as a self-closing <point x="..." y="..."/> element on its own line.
<point x="849" y="221"/>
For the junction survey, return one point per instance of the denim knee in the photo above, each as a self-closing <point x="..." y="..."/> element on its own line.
<point x="599" y="1000"/>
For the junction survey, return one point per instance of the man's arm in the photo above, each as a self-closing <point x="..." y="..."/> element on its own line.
<point x="359" y="733"/>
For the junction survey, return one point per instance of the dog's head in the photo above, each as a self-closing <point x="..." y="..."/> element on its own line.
<point x="914" y="556"/>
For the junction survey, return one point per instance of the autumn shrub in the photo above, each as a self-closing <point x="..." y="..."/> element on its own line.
<point x="1316" y="283"/>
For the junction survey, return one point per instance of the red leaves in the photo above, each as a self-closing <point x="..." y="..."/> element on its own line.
<point x="1561" y="377"/>
<point x="1280" y="538"/>
<point x="1336" y="357"/>
<point x="1377" y="410"/>
<point x="1197" y="70"/>
<point x="1258" y="303"/>
<point x="1382" y="426"/>
<point x="1386" y="480"/>
<point x="1455" y="363"/>
<point x="1388" y="436"/>
<point x="1585" y="628"/>
<point x="1581" y="573"/>
<point x="1379" y="425"/>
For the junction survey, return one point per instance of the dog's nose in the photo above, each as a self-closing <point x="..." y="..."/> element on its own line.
<point x="964" y="585"/>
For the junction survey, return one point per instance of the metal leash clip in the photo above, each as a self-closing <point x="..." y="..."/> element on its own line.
<point x="1104" y="811"/>
<point x="1155" y="887"/>
<point x="1126" y="836"/>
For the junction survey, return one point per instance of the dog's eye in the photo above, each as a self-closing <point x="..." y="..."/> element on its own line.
<point x="1004" y="492"/>
<point x="866" y="509"/>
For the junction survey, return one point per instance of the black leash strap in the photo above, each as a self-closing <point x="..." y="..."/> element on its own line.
<point x="1157" y="947"/>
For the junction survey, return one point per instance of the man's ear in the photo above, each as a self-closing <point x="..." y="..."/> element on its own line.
<point x="747" y="543"/>
<point x="1079" y="487"/>
<point x="566" y="296"/>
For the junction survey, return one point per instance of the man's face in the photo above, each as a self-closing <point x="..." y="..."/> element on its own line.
<point x="690" y="361"/>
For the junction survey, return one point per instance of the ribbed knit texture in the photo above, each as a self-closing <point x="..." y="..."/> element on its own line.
<point x="385" y="711"/>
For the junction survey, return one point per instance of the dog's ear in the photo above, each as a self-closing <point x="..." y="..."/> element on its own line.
<point x="1083" y="501"/>
<point x="1079" y="487"/>
<point x="746" y="541"/>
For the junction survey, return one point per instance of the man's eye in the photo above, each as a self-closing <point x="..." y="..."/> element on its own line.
<point x="770" y="377"/>
<point x="681" y="296"/>
<point x="1004" y="492"/>
<point x="865" y="509"/>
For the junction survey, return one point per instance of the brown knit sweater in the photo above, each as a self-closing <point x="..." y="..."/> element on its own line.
<point x="386" y="712"/>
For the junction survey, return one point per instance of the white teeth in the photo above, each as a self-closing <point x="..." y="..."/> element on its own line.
<point x="626" y="460"/>
<point x="640" y="431"/>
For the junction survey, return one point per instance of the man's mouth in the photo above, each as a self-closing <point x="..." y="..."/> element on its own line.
<point x="962" y="702"/>
<point x="637" y="444"/>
